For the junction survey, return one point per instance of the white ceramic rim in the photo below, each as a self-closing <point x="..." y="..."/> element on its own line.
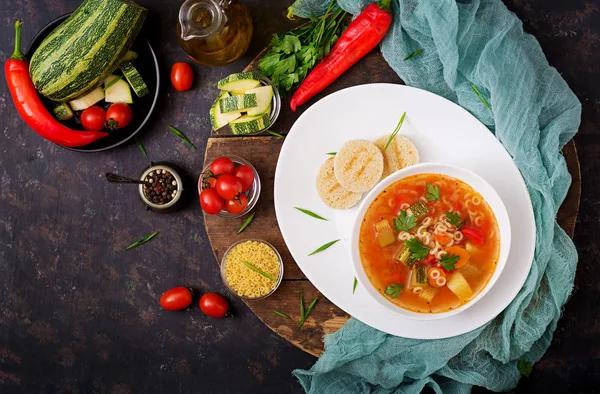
<point x="469" y="177"/>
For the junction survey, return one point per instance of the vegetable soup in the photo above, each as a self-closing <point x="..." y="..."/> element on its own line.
<point x="429" y="243"/>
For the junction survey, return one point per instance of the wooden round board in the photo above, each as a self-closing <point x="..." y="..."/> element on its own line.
<point x="263" y="152"/>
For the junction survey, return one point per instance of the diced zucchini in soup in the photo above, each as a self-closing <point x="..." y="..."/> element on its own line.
<point x="403" y="256"/>
<point x="385" y="234"/>
<point x="418" y="276"/>
<point x="459" y="286"/>
<point x="418" y="210"/>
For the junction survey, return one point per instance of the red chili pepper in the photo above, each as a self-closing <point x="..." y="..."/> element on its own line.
<point x="31" y="108"/>
<point x="359" y="38"/>
<point x="472" y="235"/>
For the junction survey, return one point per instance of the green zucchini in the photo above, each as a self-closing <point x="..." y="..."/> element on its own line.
<point x="219" y="119"/>
<point x="419" y="274"/>
<point x="237" y="103"/>
<point x="403" y="256"/>
<point x="135" y="79"/>
<point x="129" y="56"/>
<point x="264" y="96"/>
<point x="87" y="100"/>
<point x="86" y="48"/>
<point x="117" y="90"/>
<point x="239" y="82"/>
<point x="418" y="210"/>
<point x="62" y="111"/>
<point x="249" y="124"/>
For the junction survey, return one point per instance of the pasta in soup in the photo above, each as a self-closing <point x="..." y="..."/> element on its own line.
<point x="429" y="243"/>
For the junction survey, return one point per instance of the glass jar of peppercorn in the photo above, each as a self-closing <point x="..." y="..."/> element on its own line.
<point x="162" y="188"/>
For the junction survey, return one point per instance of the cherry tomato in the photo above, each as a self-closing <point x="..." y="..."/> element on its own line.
<point x="92" y="118"/>
<point x="182" y="76"/>
<point x="237" y="205"/>
<point x="211" y="202"/>
<point x="213" y="305"/>
<point x="246" y="175"/>
<point x="118" y="116"/>
<point x="228" y="186"/>
<point x="222" y="165"/>
<point x="176" y="299"/>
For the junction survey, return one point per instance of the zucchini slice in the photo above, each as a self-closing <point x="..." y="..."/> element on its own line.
<point x="62" y="111"/>
<point x="419" y="275"/>
<point x="249" y="124"/>
<point x="129" y="56"/>
<point x="237" y="103"/>
<point x="219" y="119"/>
<point x="264" y="96"/>
<point x="117" y="90"/>
<point x="403" y="256"/>
<point x="239" y="82"/>
<point x="418" y="210"/>
<point x="135" y="79"/>
<point x="385" y="234"/>
<point x="81" y="103"/>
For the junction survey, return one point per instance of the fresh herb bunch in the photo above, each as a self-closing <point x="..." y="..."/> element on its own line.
<point x="292" y="55"/>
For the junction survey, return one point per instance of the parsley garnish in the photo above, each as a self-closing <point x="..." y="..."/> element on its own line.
<point x="291" y="56"/>
<point x="448" y="261"/>
<point x="525" y="368"/>
<point x="417" y="250"/>
<point x="454" y="219"/>
<point x="433" y="192"/>
<point x="394" y="289"/>
<point x="405" y="222"/>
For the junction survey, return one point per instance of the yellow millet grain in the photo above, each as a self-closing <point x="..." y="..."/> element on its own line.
<point x="242" y="279"/>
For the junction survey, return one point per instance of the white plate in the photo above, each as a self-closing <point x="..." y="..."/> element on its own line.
<point x="443" y="132"/>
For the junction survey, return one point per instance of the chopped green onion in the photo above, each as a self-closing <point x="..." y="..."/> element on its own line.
<point x="247" y="222"/>
<point x="259" y="271"/>
<point x="142" y="241"/>
<point x="480" y="96"/>
<point x="331" y="153"/>
<point x="323" y="247"/>
<point x="398" y="126"/>
<point x="281" y="314"/>
<point x="310" y="213"/>
<point x="274" y="133"/>
<point x="182" y="136"/>
<point x="308" y="310"/>
<point x="414" y="54"/>
<point x="141" y="146"/>
<point x="354" y="285"/>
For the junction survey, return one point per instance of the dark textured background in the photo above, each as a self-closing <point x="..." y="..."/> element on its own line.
<point x="79" y="314"/>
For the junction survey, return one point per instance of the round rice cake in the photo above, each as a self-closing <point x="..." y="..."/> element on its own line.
<point x="358" y="165"/>
<point x="330" y="190"/>
<point x="399" y="154"/>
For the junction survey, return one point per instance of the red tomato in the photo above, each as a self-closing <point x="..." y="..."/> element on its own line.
<point x="92" y="118"/>
<point x="246" y="175"/>
<point x="211" y="202"/>
<point x="237" y="205"/>
<point x="182" y="76"/>
<point x="176" y="299"/>
<point x="228" y="186"/>
<point x="429" y="259"/>
<point x="222" y="165"/>
<point x="118" y="116"/>
<point x="472" y="235"/>
<point x="213" y="305"/>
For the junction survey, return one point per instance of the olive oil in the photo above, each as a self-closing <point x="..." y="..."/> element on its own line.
<point x="214" y="32"/>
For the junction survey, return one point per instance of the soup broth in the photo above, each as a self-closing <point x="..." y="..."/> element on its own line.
<point x="429" y="243"/>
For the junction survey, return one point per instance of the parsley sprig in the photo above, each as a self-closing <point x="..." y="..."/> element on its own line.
<point x="394" y="289"/>
<point x="433" y="192"/>
<point x="454" y="219"/>
<point x="404" y="222"/>
<point x="448" y="261"/>
<point x="418" y="251"/>
<point x="292" y="55"/>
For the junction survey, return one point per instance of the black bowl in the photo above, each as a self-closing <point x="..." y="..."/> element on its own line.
<point x="146" y="63"/>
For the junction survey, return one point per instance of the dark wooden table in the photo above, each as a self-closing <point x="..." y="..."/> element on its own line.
<point x="79" y="314"/>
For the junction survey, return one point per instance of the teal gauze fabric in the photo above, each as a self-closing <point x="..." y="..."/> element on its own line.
<point x="533" y="114"/>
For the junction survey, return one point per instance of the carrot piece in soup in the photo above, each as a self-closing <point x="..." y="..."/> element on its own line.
<point x="442" y="239"/>
<point x="461" y="253"/>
